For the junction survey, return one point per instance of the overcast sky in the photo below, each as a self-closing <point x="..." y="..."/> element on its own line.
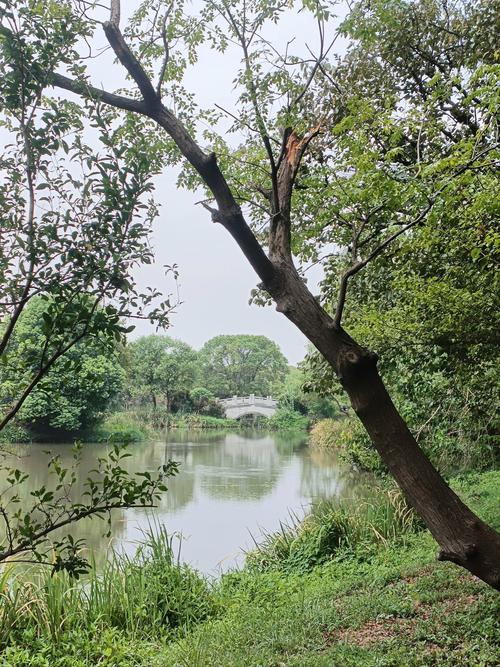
<point x="215" y="279"/>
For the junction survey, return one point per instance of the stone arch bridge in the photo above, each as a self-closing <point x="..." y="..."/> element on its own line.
<point x="239" y="406"/>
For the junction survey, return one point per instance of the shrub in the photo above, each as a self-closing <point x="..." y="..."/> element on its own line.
<point x="14" y="433"/>
<point x="333" y="528"/>
<point x="287" y="419"/>
<point x="120" y="428"/>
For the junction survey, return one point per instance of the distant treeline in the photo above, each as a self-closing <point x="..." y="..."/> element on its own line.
<point x="155" y="375"/>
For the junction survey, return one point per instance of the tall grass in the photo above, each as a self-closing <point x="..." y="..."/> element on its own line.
<point x="332" y="528"/>
<point x="145" y="596"/>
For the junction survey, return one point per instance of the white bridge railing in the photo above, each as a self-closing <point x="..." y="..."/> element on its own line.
<point x="234" y="401"/>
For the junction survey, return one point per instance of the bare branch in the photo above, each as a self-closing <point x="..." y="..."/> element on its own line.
<point x="166" y="57"/>
<point x="254" y="98"/>
<point x="318" y="60"/>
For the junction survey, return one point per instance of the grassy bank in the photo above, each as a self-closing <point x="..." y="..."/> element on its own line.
<point x="347" y="437"/>
<point x="374" y="597"/>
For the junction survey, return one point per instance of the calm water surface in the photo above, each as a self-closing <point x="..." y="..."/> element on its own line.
<point x="230" y="487"/>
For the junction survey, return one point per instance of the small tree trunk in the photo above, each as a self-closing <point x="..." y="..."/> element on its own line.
<point x="463" y="538"/>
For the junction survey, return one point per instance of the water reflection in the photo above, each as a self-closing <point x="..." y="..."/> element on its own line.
<point x="229" y="485"/>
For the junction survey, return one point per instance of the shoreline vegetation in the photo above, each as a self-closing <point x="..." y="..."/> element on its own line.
<point x="138" y="426"/>
<point x="348" y="586"/>
<point x="347" y="437"/>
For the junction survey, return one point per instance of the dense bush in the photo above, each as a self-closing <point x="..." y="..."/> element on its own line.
<point x="347" y="437"/>
<point x="120" y="427"/>
<point x="287" y="419"/>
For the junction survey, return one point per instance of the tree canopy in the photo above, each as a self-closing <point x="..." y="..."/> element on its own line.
<point x="75" y="207"/>
<point x="161" y="367"/>
<point x="238" y="365"/>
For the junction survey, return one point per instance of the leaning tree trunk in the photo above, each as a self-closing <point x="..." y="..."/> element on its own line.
<point x="463" y="538"/>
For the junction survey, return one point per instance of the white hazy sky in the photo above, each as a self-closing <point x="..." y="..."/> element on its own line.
<point x="215" y="279"/>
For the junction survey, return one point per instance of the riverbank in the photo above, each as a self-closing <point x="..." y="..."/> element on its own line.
<point x="139" y="426"/>
<point x="376" y="600"/>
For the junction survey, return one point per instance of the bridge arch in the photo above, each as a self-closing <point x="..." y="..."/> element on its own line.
<point x="240" y="406"/>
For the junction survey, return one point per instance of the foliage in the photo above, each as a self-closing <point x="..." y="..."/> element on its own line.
<point x="147" y="420"/>
<point x="160" y="366"/>
<point x="74" y="220"/>
<point x="242" y="364"/>
<point x="197" y="421"/>
<point x="333" y="527"/>
<point x="347" y="437"/>
<point x="14" y="433"/>
<point x="204" y="402"/>
<point x="420" y="90"/>
<point x="120" y="427"/>
<point x="146" y="596"/>
<point x="27" y="533"/>
<point x="74" y="394"/>
<point x="294" y="394"/>
<point x="287" y="419"/>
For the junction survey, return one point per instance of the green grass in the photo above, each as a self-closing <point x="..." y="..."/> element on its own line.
<point x="373" y="602"/>
<point x="196" y="421"/>
<point x="334" y="527"/>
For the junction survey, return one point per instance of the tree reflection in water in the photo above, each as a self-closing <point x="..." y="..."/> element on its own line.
<point x="229" y="484"/>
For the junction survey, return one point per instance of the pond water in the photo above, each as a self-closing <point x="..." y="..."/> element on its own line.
<point x="230" y="487"/>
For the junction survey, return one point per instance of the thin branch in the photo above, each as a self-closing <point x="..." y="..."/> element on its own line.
<point x="30" y="225"/>
<point x="390" y="239"/>
<point x="74" y="518"/>
<point x="43" y="370"/>
<point x="253" y="96"/>
<point x="166" y="57"/>
<point x="360" y="265"/>
<point x="83" y="89"/>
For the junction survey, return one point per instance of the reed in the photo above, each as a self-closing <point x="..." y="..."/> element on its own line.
<point x="146" y="595"/>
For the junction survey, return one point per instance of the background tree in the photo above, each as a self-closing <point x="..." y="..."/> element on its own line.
<point x="242" y="364"/>
<point x="280" y="114"/>
<point x="426" y="305"/>
<point x="297" y="394"/>
<point x="74" y="394"/>
<point x="162" y="367"/>
<point x="203" y="402"/>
